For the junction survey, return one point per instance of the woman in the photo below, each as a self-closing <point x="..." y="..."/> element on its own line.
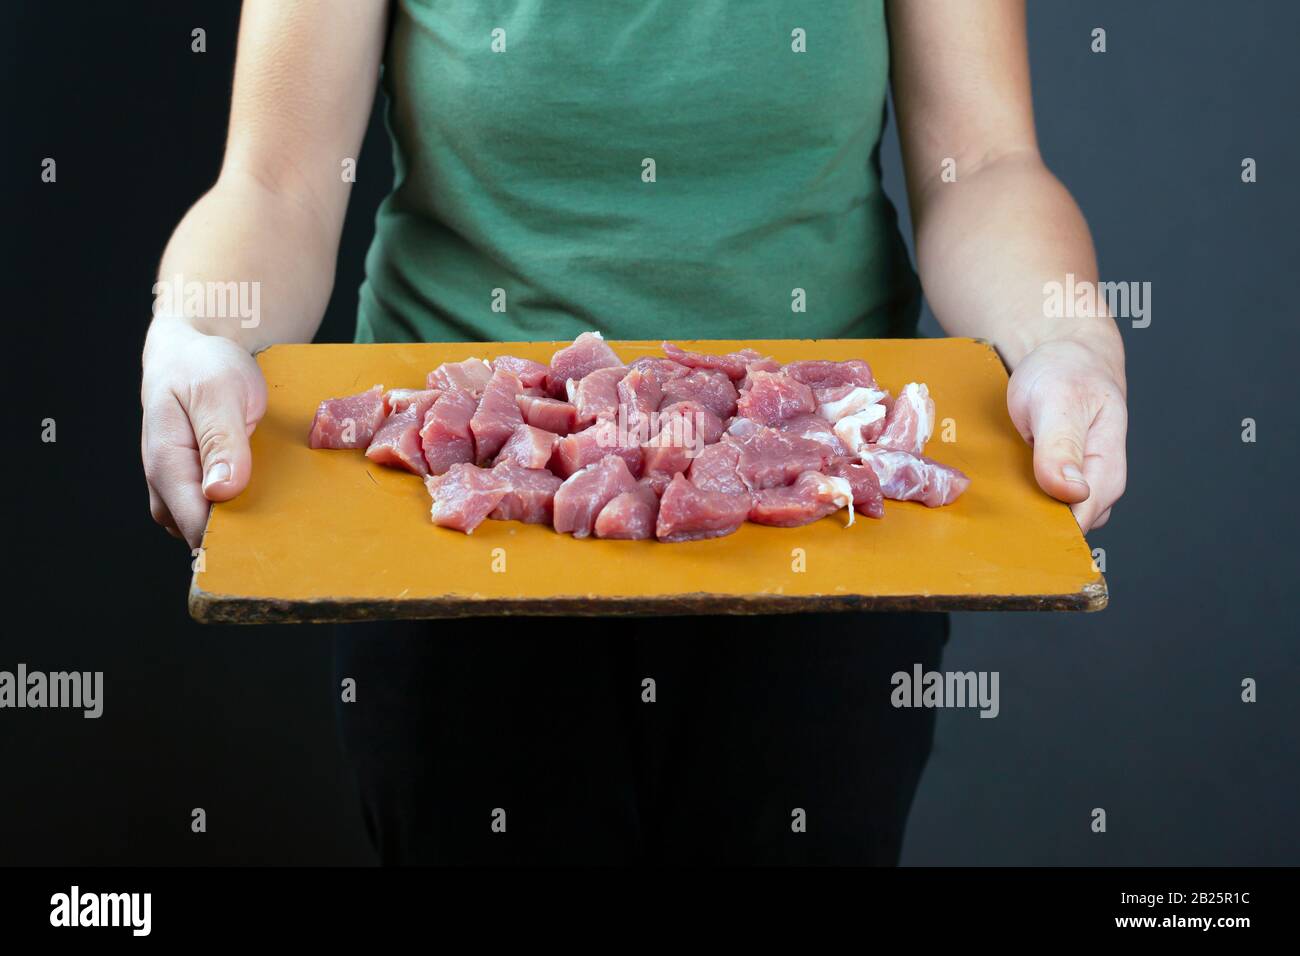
<point x="650" y="169"/>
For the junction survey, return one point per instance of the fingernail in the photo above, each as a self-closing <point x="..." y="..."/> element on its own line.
<point x="216" y="474"/>
<point x="1072" y="473"/>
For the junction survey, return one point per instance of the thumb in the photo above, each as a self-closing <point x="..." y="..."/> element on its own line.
<point x="1060" y="433"/>
<point x="221" y="422"/>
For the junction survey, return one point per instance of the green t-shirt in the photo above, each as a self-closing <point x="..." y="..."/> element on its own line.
<point x="657" y="168"/>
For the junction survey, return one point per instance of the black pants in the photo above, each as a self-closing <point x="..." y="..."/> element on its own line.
<point x="533" y="741"/>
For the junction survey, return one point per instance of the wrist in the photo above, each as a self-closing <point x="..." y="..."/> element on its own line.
<point x="1099" y="335"/>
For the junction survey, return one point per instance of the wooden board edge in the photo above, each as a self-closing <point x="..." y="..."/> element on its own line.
<point x="208" y="608"/>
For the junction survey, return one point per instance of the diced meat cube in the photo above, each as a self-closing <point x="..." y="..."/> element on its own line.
<point x="464" y="496"/>
<point x="855" y="430"/>
<point x="819" y="373"/>
<point x="771" y="459"/>
<point x="758" y="365"/>
<point x="742" y="427"/>
<point x="682" y="431"/>
<point x="663" y="369"/>
<point x="348" y="422"/>
<point x="844" y="400"/>
<point x="814" y="428"/>
<point x="812" y="496"/>
<point x="445" y="435"/>
<point x="689" y="513"/>
<point x="397" y="442"/>
<point x="471" y="375"/>
<point x="639" y="395"/>
<point x="529" y="496"/>
<point x="663" y="457"/>
<point x="596" y="395"/>
<point x="905" y="477"/>
<point x="629" y="516"/>
<point x="734" y="364"/>
<point x="910" y="421"/>
<point x="867" y="498"/>
<point x="656" y="482"/>
<point x="583" y="494"/>
<point x="400" y="399"/>
<point x="590" y="445"/>
<point x="529" y="447"/>
<point x="530" y="374"/>
<point x="588" y="353"/>
<point x="714" y="469"/>
<point x="708" y="387"/>
<point x="497" y="416"/>
<point x="548" y="414"/>
<point x="691" y="422"/>
<point x="773" y="396"/>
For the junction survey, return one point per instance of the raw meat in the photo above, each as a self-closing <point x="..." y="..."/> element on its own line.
<point x="770" y="459"/>
<point x="713" y="439"/>
<point x="773" y="396"/>
<point x="662" y="368"/>
<point x="582" y="496"/>
<point x="682" y="431"/>
<point x="856" y="430"/>
<point x="445" y="435"/>
<point x="812" y="496"/>
<point x="691" y="422"/>
<point x="596" y="396"/>
<point x="708" y="387"/>
<point x="639" y="395"/>
<point x="715" y="469"/>
<point x="743" y="427"/>
<point x="814" y="428"/>
<point x="529" y="447"/>
<point x="400" y="399"/>
<point x="464" y="496"/>
<point x="590" y="445"/>
<point x="529" y="496"/>
<point x="905" y="477"/>
<point x="348" y="422"/>
<point x="471" y="375"/>
<point x="397" y="442"/>
<point x="758" y="365"/>
<point x="689" y="513"/>
<point x="497" y="416"/>
<point x="656" y="483"/>
<point x="821" y="374"/>
<point x="630" y="515"/>
<point x="734" y="364"/>
<point x="530" y="374"/>
<point x="867" y="498"/>
<point x="548" y="413"/>
<point x="910" y="421"/>
<point x="844" y="400"/>
<point x="588" y="353"/>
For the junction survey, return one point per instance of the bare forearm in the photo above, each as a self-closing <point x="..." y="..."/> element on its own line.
<point x="989" y="242"/>
<point x="270" y="244"/>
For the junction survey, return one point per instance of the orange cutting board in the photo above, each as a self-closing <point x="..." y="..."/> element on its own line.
<point x="330" y="536"/>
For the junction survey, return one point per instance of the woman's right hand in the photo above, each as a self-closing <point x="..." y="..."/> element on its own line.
<point x="202" y="396"/>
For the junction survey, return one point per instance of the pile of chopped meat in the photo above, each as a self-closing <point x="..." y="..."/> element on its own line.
<point x="677" y="448"/>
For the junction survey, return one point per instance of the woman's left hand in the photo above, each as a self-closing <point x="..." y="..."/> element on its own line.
<point x="1067" y="399"/>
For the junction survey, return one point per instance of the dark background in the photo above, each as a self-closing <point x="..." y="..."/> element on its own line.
<point x="1136" y="710"/>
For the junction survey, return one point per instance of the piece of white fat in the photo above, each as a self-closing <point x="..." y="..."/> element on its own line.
<point x="855" y="401"/>
<point x="838" y="492"/>
<point x="849" y="428"/>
